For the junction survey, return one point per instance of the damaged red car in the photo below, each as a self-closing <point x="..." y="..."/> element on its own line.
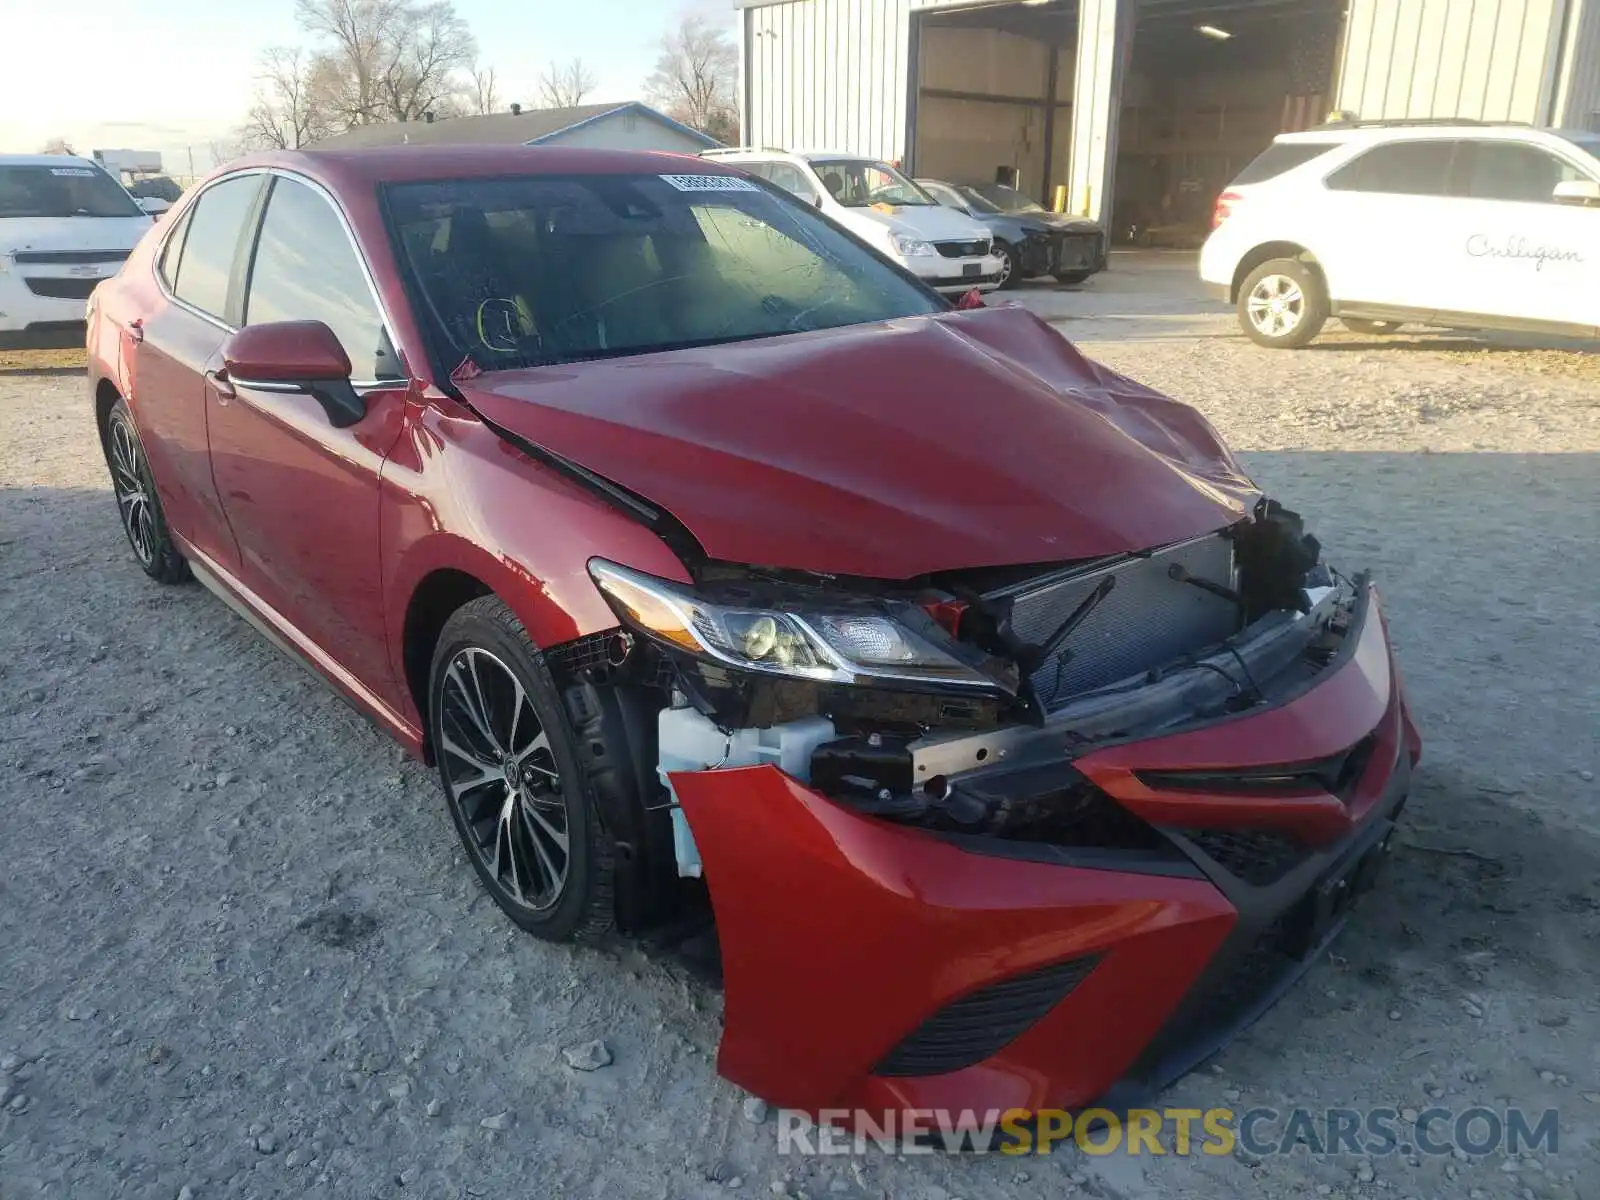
<point x="1017" y="748"/>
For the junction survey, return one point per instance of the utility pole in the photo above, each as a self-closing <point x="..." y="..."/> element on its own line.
<point x="190" y="149"/>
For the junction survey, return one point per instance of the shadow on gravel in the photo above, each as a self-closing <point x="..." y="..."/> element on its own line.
<point x="1478" y="880"/>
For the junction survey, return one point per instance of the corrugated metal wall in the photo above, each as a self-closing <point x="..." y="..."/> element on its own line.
<point x="830" y="74"/>
<point x="1489" y="60"/>
<point x="1578" y="92"/>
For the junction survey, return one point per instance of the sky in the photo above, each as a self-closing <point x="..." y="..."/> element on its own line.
<point x="176" y="75"/>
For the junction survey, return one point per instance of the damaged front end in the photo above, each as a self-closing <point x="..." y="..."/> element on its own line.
<point x="1002" y="803"/>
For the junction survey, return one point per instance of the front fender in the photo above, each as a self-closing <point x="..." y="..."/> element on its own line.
<point x="456" y="497"/>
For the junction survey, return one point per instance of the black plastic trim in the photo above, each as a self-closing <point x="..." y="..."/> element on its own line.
<point x="1130" y="862"/>
<point x="1268" y="924"/>
<point x="982" y="1023"/>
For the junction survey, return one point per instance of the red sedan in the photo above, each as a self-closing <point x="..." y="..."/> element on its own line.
<point x="1021" y="748"/>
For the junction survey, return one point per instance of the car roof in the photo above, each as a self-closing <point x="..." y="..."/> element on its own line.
<point x="1400" y="131"/>
<point x="362" y="168"/>
<point x="45" y="160"/>
<point x="771" y="154"/>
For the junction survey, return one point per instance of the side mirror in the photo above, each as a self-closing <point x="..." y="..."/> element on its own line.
<point x="970" y="300"/>
<point x="154" y="205"/>
<point x="295" y="356"/>
<point x="1578" y="191"/>
<point x="816" y="199"/>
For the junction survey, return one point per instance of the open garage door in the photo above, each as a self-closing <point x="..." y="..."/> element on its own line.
<point x="1204" y="87"/>
<point x="1208" y="87"/>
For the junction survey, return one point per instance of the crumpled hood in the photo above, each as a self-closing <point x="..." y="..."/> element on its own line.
<point x="890" y="450"/>
<point x="1064" y="221"/>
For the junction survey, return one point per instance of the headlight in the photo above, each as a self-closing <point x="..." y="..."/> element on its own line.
<point x="843" y="642"/>
<point x="910" y="247"/>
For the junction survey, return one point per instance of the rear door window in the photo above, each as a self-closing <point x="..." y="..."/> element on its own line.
<point x="1500" y="170"/>
<point x="1408" y="168"/>
<point x="211" y="244"/>
<point x="306" y="269"/>
<point x="1279" y="158"/>
<point x="172" y="252"/>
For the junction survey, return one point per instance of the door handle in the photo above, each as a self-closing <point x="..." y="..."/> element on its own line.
<point x="218" y="380"/>
<point x="136" y="330"/>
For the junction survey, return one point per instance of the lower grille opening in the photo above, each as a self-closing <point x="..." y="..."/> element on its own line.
<point x="1051" y="803"/>
<point x="1259" y="857"/>
<point x="979" y="1025"/>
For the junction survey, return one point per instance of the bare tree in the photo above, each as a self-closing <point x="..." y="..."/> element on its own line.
<point x="387" y="60"/>
<point x="287" y="111"/>
<point x="696" y="78"/>
<point x="565" y="86"/>
<point x="226" y="149"/>
<point x="57" y="145"/>
<point x="484" y="95"/>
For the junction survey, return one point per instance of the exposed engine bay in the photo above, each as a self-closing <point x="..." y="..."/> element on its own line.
<point x="955" y="703"/>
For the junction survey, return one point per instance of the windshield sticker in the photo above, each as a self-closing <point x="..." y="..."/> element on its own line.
<point x="75" y="172"/>
<point x="710" y="183"/>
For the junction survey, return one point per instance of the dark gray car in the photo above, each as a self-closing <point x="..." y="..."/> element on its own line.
<point x="1034" y="240"/>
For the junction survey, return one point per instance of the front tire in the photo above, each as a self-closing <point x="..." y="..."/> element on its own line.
<point x="1011" y="268"/>
<point x="139" y="506"/>
<point x="1283" y="304"/>
<point x="1072" y="277"/>
<point x="509" y="766"/>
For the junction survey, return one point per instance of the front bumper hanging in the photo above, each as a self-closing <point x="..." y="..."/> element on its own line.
<point x="874" y="966"/>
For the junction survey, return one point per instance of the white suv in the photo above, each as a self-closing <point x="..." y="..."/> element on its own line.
<point x="1460" y="225"/>
<point x="65" y="224"/>
<point x="947" y="250"/>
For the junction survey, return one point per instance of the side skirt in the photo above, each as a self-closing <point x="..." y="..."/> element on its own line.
<point x="1463" y="321"/>
<point x="281" y="633"/>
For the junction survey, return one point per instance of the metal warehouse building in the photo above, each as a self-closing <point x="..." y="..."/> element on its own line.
<point x="1154" y="104"/>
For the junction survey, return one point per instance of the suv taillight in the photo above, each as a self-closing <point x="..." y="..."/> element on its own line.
<point x="1224" y="208"/>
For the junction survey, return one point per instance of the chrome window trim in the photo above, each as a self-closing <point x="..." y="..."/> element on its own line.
<point x="287" y="387"/>
<point x="266" y="385"/>
<point x="349" y="233"/>
<point x="361" y="260"/>
<point x="172" y="226"/>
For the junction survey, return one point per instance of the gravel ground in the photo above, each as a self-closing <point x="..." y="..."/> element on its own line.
<point x="240" y="954"/>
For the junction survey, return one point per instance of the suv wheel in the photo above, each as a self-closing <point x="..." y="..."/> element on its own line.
<point x="509" y="766"/>
<point x="1283" y="304"/>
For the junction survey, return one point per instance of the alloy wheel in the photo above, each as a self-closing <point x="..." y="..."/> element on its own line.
<point x="128" y="484"/>
<point x="500" y="774"/>
<point x="1005" y="268"/>
<point x="1276" y="305"/>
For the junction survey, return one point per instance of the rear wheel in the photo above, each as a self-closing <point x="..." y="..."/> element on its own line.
<point x="137" y="501"/>
<point x="1283" y="304"/>
<point x="1010" y="268"/>
<point x="1369" y="328"/>
<point x="509" y="766"/>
